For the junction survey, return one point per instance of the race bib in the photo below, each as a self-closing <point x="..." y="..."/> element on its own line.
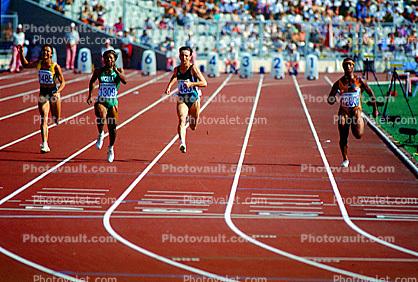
<point x="108" y="90"/>
<point x="183" y="89"/>
<point x="350" y="99"/>
<point x="45" y="77"/>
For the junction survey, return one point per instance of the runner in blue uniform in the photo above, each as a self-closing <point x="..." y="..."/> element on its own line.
<point x="189" y="79"/>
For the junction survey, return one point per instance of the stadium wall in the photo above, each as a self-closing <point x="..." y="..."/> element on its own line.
<point x="50" y="26"/>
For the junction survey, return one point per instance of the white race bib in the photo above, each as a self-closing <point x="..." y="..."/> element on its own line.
<point x="183" y="89"/>
<point x="108" y="90"/>
<point x="45" y="77"/>
<point x="350" y="99"/>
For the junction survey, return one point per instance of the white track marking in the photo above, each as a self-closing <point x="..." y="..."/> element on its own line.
<point x="29" y="184"/>
<point x="285" y="195"/>
<point x="393" y="210"/>
<point x="175" y="196"/>
<point x="109" y="228"/>
<point x="72" y="193"/>
<point x="382" y="135"/>
<point x="338" y="259"/>
<point x="18" y="83"/>
<point x="179" y="192"/>
<point x="233" y="227"/>
<point x="334" y="185"/>
<point x="37" y="90"/>
<point x="37" y="266"/>
<point x="62" y="99"/>
<point x="76" y="189"/>
<point x="10" y="76"/>
<point x="63" y="121"/>
<point x="135" y="214"/>
<point x="286" y="207"/>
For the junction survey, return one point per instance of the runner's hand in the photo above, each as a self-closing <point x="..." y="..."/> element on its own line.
<point x="89" y="101"/>
<point x="375" y="112"/>
<point x="188" y="83"/>
<point x="20" y="49"/>
<point x="331" y="100"/>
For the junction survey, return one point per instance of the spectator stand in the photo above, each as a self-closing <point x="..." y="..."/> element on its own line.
<point x="9" y="24"/>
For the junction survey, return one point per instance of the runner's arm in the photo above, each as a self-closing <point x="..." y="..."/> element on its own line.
<point x="369" y="91"/>
<point x="201" y="82"/>
<point x="60" y="78"/>
<point x="173" y="80"/>
<point x="331" y="97"/>
<point x="91" y="84"/>
<point x="121" y="73"/>
<point x="25" y="62"/>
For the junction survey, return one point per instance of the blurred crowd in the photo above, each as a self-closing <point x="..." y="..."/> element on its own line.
<point x="296" y="11"/>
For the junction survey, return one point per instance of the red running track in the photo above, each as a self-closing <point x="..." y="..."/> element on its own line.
<point x="166" y="210"/>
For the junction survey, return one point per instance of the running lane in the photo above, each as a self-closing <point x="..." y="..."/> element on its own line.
<point x="137" y="144"/>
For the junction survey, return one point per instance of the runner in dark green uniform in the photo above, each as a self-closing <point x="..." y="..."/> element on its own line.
<point x="106" y="105"/>
<point x="189" y="80"/>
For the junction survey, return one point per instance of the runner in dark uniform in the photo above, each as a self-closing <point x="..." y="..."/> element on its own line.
<point x="189" y="79"/>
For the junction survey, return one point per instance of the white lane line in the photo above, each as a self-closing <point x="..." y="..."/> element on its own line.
<point x="53" y="208"/>
<point x="334" y="185"/>
<point x="63" y="121"/>
<point x="134" y="214"/>
<point x="285" y="199"/>
<point x="71" y="193"/>
<point x="14" y="75"/>
<point x="75" y="189"/>
<point x="180" y="192"/>
<point x="54" y="168"/>
<point x="338" y="259"/>
<point x="393" y="215"/>
<point x="73" y="204"/>
<point x="170" y="204"/>
<point x="62" y="197"/>
<point x="391" y="210"/>
<point x="106" y="218"/>
<point x="389" y="142"/>
<point x="37" y="90"/>
<point x="177" y="196"/>
<point x="62" y="99"/>
<point x="303" y="208"/>
<point x="37" y="266"/>
<point x="292" y="203"/>
<point x="161" y="210"/>
<point x="285" y="195"/>
<point x="169" y="200"/>
<point x="384" y="206"/>
<point x="231" y="199"/>
<point x="18" y="83"/>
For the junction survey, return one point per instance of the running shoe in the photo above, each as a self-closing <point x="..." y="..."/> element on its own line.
<point x="45" y="148"/>
<point x="99" y="142"/>
<point x="183" y="147"/>
<point x="345" y="163"/>
<point x="110" y="154"/>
